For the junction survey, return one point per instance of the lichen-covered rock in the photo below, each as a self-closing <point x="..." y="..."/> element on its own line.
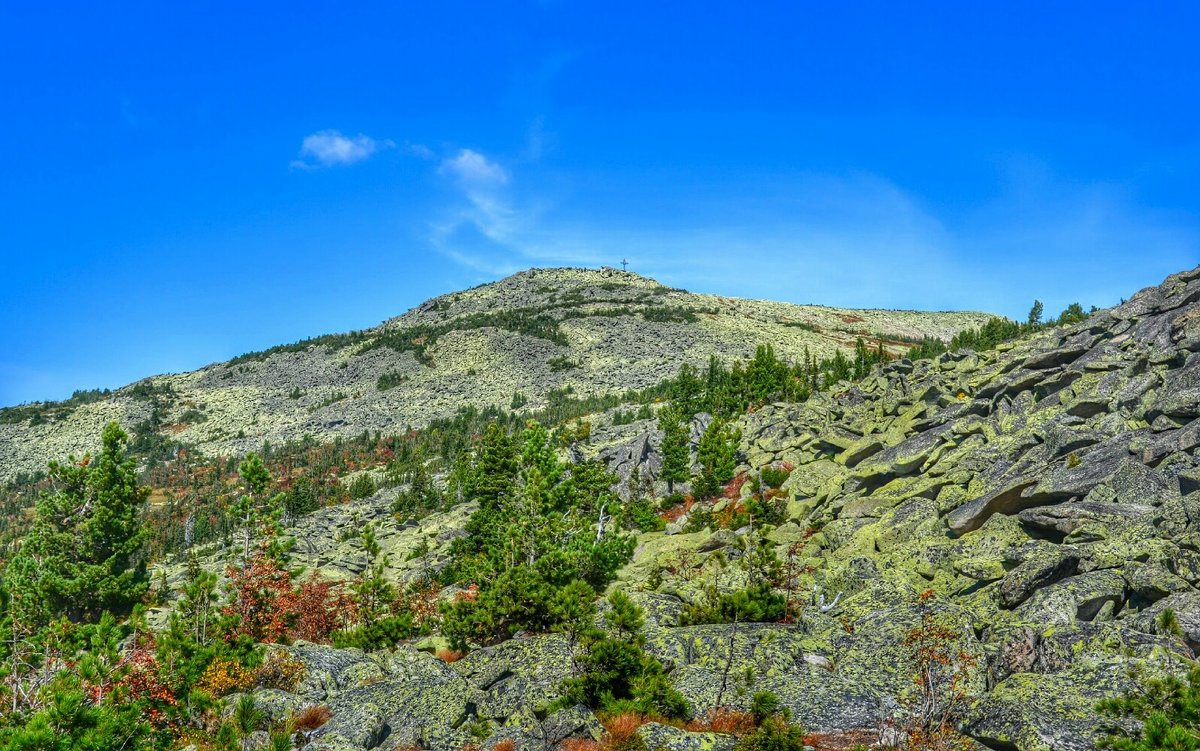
<point x="572" y="722"/>
<point x="668" y="738"/>
<point x="1047" y="710"/>
<point x="514" y="679"/>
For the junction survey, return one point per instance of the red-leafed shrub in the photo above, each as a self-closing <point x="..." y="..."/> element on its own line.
<point x="142" y="684"/>
<point x="676" y="512"/>
<point x="321" y="608"/>
<point x="733" y="488"/>
<point x="262" y="598"/>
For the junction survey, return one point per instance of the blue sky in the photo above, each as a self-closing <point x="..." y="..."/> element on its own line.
<point x="183" y="185"/>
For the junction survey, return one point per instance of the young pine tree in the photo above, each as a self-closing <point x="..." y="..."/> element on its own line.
<point x="677" y="460"/>
<point x="718" y="457"/>
<point x="83" y="555"/>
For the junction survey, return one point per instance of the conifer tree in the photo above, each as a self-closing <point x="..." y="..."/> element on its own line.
<point x="676" y="458"/>
<point x="1035" y="314"/>
<point x="254" y="508"/>
<point x="717" y="454"/>
<point x="83" y="554"/>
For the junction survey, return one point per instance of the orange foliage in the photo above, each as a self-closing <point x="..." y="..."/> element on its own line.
<point x="508" y="744"/>
<point x="720" y="720"/>
<point x="580" y="744"/>
<point x="733" y="488"/>
<point x="724" y="519"/>
<point x="941" y="673"/>
<point x="263" y="599"/>
<point x="421" y="600"/>
<point x="270" y="609"/>
<point x="622" y="728"/>
<point x="841" y="741"/>
<point x="223" y="677"/>
<point x="448" y="655"/>
<point x="674" y="513"/>
<point x="142" y="682"/>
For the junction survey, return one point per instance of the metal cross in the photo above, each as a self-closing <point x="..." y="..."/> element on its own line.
<point x="624" y="263"/>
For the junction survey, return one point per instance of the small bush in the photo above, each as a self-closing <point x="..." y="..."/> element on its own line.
<point x="390" y="380"/>
<point x="223" y="677"/>
<point x="774" y="477"/>
<point x="1166" y="709"/>
<point x="281" y="671"/>
<point x="757" y="604"/>
<point x="640" y="514"/>
<point x="363" y="486"/>
<point x="384" y="633"/>
<point x="728" y="721"/>
<point x="621" y="732"/>
<point x="775" y="733"/>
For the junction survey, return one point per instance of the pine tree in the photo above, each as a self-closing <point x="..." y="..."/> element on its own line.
<point x="373" y="594"/>
<point x="717" y="454"/>
<point x="676" y="458"/>
<point x="83" y="554"/>
<point x="1035" y="314"/>
<point x="496" y="471"/>
<point x="254" y="508"/>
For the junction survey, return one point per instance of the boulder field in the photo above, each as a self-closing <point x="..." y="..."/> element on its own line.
<point x="1042" y="500"/>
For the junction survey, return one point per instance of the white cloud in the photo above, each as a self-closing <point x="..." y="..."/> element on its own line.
<point x="850" y="240"/>
<point x="328" y="148"/>
<point x="474" y="170"/>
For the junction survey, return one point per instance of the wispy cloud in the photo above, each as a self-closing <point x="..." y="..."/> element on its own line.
<point x="850" y="240"/>
<point x="489" y="228"/>
<point x="329" y="148"/>
<point x="474" y="171"/>
<point x="419" y="150"/>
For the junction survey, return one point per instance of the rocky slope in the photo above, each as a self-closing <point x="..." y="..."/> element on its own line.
<point x="534" y="332"/>
<point x="1043" y="500"/>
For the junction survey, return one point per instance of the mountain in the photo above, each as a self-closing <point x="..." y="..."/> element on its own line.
<point x="1027" y="512"/>
<point x="531" y="334"/>
<point x="1022" y="516"/>
<point x="969" y="550"/>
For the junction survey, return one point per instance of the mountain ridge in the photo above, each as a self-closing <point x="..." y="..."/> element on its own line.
<point x="529" y="334"/>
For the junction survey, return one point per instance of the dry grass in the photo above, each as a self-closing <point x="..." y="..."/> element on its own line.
<point x="674" y="513"/>
<point x="621" y="731"/>
<point x="728" y="721"/>
<point x="449" y="655"/>
<point x="508" y="744"/>
<point x="311" y="718"/>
